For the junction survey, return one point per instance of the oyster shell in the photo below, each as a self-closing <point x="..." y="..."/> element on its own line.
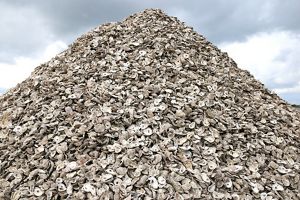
<point x="146" y="108"/>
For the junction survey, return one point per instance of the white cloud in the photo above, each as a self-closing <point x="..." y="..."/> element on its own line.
<point x="20" y="69"/>
<point x="273" y="58"/>
<point x="293" y="89"/>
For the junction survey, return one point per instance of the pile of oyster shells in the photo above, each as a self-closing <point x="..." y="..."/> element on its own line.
<point x="146" y="108"/>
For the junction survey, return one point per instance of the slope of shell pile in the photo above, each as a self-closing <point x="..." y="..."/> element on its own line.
<point x="146" y="108"/>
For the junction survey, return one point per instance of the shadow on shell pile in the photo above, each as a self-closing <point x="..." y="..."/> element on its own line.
<point x="146" y="109"/>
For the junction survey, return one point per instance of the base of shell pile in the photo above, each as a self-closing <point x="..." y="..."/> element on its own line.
<point x="146" y="108"/>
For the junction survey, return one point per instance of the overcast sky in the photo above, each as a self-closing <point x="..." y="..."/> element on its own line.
<point x="261" y="36"/>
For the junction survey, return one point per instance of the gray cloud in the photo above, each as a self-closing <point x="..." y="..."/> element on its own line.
<point x="233" y="20"/>
<point x="285" y="14"/>
<point x="217" y="19"/>
<point x="22" y="32"/>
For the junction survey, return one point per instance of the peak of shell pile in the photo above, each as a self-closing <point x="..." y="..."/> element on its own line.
<point x="146" y="108"/>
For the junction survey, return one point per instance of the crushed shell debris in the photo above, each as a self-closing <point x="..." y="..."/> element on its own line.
<point x="146" y="108"/>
